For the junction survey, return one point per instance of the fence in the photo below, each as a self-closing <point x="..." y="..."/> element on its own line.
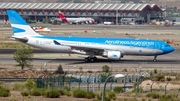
<point x="87" y="81"/>
<point x="163" y="88"/>
<point x="94" y="82"/>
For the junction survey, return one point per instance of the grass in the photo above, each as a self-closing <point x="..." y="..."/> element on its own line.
<point x="12" y="45"/>
<point x="18" y="86"/>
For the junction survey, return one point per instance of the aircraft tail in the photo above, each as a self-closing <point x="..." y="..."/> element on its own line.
<point x="62" y="16"/>
<point x="19" y="27"/>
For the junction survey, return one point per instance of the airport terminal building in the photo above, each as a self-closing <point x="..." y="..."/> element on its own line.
<point x="101" y="12"/>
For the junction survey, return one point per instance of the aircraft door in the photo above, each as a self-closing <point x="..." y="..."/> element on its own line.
<point x="42" y="42"/>
<point x="157" y="45"/>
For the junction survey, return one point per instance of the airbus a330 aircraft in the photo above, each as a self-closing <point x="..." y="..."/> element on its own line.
<point x="111" y="48"/>
<point x="76" y="20"/>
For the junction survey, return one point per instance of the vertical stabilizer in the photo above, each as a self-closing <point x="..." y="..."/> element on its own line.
<point x="19" y="27"/>
<point x="62" y="16"/>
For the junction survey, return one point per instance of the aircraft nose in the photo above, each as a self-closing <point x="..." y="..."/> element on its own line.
<point x="170" y="49"/>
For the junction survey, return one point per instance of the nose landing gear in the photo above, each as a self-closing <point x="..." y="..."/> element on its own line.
<point x="155" y="58"/>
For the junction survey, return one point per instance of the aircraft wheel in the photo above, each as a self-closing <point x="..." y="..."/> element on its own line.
<point x="86" y="59"/>
<point x="95" y="58"/>
<point x="91" y="59"/>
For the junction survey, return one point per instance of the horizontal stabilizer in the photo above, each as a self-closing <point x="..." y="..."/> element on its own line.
<point x="22" y="39"/>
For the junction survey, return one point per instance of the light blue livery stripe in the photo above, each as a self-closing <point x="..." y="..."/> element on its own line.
<point x="17" y="30"/>
<point x="104" y="40"/>
<point x="15" y="18"/>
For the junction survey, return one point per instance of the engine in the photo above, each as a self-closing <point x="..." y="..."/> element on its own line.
<point x="113" y="55"/>
<point x="86" y="22"/>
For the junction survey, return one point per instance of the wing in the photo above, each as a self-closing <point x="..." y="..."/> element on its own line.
<point x="87" y="49"/>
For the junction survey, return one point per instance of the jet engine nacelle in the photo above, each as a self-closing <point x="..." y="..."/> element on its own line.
<point x="113" y="55"/>
<point x="86" y="22"/>
<point x="90" y="21"/>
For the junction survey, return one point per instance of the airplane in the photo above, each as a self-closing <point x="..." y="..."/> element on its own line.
<point x="41" y="29"/>
<point x="76" y="20"/>
<point x="166" y="23"/>
<point x="111" y="48"/>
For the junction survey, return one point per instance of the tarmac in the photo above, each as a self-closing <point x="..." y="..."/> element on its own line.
<point x="73" y="62"/>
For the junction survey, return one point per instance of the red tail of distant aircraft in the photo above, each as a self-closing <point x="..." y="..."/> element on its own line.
<point x="75" y="20"/>
<point x="62" y="16"/>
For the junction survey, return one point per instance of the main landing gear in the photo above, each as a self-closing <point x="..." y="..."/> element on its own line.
<point x="90" y="59"/>
<point x="155" y="58"/>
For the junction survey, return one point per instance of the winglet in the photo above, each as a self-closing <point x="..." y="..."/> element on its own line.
<point x="56" y="43"/>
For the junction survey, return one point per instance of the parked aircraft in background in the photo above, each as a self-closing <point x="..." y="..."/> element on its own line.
<point x="111" y="48"/>
<point x="108" y="23"/>
<point x="166" y="23"/>
<point x="41" y="29"/>
<point x="76" y="20"/>
<point x="176" y="23"/>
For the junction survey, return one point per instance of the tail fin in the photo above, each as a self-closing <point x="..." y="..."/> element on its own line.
<point x="62" y="16"/>
<point x="19" y="27"/>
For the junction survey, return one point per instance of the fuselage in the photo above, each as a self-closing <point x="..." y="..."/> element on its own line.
<point x="78" y="20"/>
<point x="111" y="48"/>
<point x="127" y="46"/>
<point x="75" y="19"/>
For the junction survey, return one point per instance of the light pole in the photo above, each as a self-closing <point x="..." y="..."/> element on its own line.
<point x="115" y="76"/>
<point x="111" y="66"/>
<point x="117" y="17"/>
<point x="165" y="8"/>
<point x="45" y="64"/>
<point x="93" y="82"/>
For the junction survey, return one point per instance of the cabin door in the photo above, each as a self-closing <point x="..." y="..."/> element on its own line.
<point x="157" y="45"/>
<point x="42" y="41"/>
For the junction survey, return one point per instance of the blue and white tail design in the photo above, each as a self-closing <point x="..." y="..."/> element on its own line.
<point x="19" y="27"/>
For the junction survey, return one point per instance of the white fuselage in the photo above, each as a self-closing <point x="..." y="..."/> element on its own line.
<point x="77" y="20"/>
<point x="48" y="44"/>
<point x="112" y="48"/>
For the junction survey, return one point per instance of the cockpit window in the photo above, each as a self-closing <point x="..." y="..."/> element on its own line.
<point x="167" y="45"/>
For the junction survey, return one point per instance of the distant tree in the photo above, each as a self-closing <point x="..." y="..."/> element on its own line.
<point x="105" y="68"/>
<point x="64" y="1"/>
<point x="106" y="72"/>
<point x="59" y="70"/>
<point x="123" y="1"/>
<point x="23" y="56"/>
<point x="175" y="9"/>
<point x="78" y="1"/>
